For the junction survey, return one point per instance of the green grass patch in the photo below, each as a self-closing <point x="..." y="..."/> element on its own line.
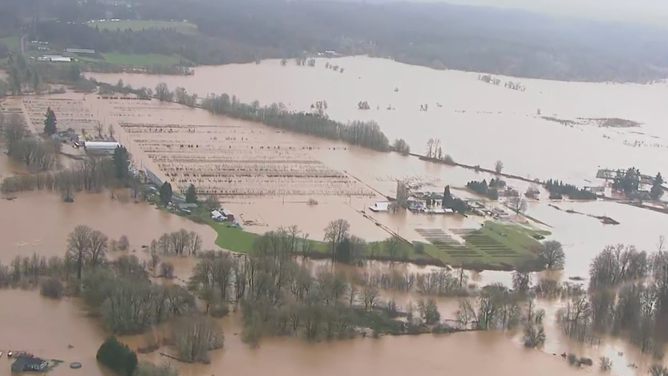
<point x="493" y="246"/>
<point x="11" y="42"/>
<point x="140" y="59"/>
<point x="137" y="25"/>
<point x="232" y="238"/>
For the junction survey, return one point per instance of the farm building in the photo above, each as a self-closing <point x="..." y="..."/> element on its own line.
<point x="100" y="147"/>
<point x="55" y="59"/>
<point x="25" y="363"/>
<point x="80" y="51"/>
<point x="380" y="207"/>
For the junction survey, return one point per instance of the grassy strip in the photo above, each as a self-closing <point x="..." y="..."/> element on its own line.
<point x="137" y="25"/>
<point x="515" y="243"/>
<point x="11" y="42"/>
<point x="140" y="59"/>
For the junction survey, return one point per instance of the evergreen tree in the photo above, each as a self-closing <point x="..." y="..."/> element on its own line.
<point x="166" y="193"/>
<point x="657" y="190"/>
<point x="191" y="195"/>
<point x="117" y="356"/>
<point x="50" y="122"/>
<point x="121" y="160"/>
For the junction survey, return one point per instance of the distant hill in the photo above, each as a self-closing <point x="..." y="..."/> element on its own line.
<point x="439" y="35"/>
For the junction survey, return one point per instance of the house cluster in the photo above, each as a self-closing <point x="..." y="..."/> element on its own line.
<point x="25" y="362"/>
<point x="222" y="215"/>
<point x="418" y="202"/>
<point x="478" y="208"/>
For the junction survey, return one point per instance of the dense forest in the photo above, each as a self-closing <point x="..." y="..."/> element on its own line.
<point x="441" y="35"/>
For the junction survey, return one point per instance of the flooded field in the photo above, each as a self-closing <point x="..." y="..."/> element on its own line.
<point x="269" y="177"/>
<point x="71" y="112"/>
<point x="477" y="123"/>
<point x="40" y="223"/>
<point x="229" y="158"/>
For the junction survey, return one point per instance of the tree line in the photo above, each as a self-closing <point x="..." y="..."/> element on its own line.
<point x="559" y="189"/>
<point x="364" y="134"/>
<point x="627" y="297"/>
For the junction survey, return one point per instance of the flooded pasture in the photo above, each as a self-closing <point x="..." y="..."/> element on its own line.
<point x="269" y="177"/>
<point x="477" y="123"/>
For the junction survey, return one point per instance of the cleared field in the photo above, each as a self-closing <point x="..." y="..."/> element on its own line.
<point x="70" y="113"/>
<point x="140" y="59"/>
<point x="226" y="157"/>
<point x="11" y="42"/>
<point x="135" y="25"/>
<point x="494" y="243"/>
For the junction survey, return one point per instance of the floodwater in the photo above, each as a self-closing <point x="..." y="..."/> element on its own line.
<point x="477" y="123"/>
<point x="70" y="336"/>
<point x="39" y="222"/>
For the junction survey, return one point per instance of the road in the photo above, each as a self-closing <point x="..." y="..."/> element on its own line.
<point x="22" y="44"/>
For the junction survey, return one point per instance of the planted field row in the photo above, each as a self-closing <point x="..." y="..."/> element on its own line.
<point x="69" y="113"/>
<point x="233" y="158"/>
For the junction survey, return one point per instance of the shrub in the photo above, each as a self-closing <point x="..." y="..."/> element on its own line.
<point x="51" y="288"/>
<point x="123" y="243"/>
<point x="219" y="310"/>
<point x="117" y="356"/>
<point x="167" y="270"/>
<point x="419" y="248"/>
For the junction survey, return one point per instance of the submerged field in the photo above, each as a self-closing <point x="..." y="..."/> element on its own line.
<point x="71" y="112"/>
<point x="231" y="159"/>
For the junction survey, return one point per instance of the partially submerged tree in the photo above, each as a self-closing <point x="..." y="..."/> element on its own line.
<point x="552" y="255"/>
<point x="195" y="336"/>
<point x="517" y="204"/>
<point x="498" y="167"/>
<point x="165" y="193"/>
<point x="117" y="356"/>
<point x="335" y="233"/>
<point x="50" y="122"/>
<point x="191" y="194"/>
<point x="121" y="160"/>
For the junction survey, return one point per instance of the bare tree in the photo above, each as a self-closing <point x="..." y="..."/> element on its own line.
<point x="98" y="248"/>
<point x="111" y="132"/>
<point x="335" y="233"/>
<point x="517" y="204"/>
<point x="78" y="247"/>
<point x="195" y="336"/>
<point x="658" y="370"/>
<point x="369" y="298"/>
<point x="430" y="148"/>
<point x="521" y="282"/>
<point x="162" y="92"/>
<point x="553" y="255"/>
<point x="498" y="167"/>
<point x="99" y="128"/>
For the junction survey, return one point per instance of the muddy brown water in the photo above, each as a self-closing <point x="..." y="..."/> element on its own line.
<point x="39" y="222"/>
<point x="478" y="123"/>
